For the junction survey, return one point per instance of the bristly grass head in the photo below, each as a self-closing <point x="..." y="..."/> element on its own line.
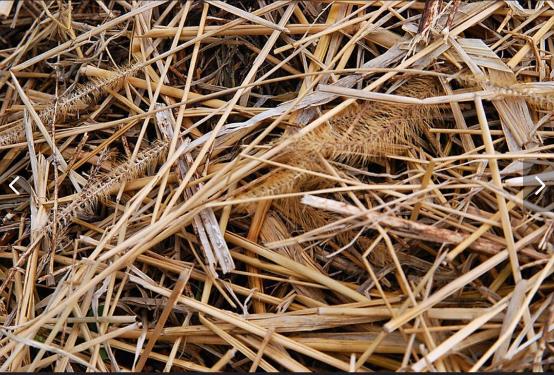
<point x="84" y="95"/>
<point x="69" y="104"/>
<point x="100" y="186"/>
<point x="13" y="134"/>
<point x="540" y="101"/>
<point x="360" y="134"/>
<point x="368" y="131"/>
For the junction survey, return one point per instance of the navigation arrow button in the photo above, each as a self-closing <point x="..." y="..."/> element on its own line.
<point x="542" y="185"/>
<point x="12" y="183"/>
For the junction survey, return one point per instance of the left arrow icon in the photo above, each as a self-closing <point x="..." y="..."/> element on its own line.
<point x="13" y="182"/>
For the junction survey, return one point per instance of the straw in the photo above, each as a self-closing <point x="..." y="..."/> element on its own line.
<point x="276" y="186"/>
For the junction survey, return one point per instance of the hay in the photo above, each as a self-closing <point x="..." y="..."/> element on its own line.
<point x="276" y="186"/>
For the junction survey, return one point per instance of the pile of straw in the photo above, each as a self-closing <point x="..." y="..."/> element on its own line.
<point x="276" y="185"/>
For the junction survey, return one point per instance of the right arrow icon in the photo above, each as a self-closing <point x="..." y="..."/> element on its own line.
<point x="542" y="185"/>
